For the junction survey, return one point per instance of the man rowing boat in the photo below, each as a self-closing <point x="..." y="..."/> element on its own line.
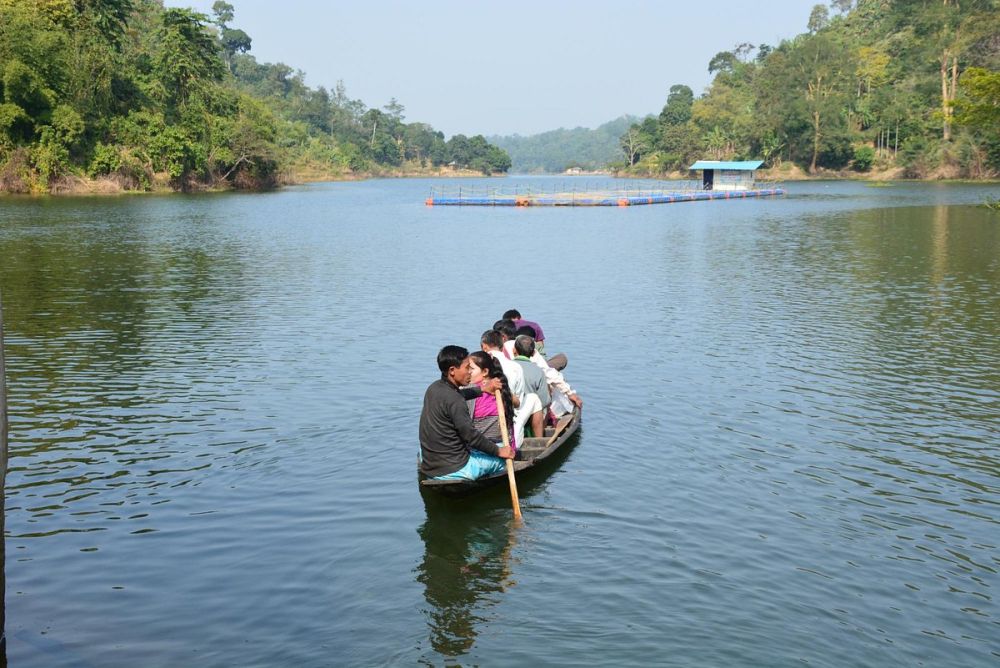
<point x="450" y="445"/>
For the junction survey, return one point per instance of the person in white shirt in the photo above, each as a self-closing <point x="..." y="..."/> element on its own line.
<point x="508" y="331"/>
<point x="525" y="404"/>
<point x="563" y="396"/>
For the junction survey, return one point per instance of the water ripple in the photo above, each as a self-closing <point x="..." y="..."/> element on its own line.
<point x="788" y="453"/>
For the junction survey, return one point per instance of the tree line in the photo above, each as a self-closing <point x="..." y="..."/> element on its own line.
<point x="144" y="95"/>
<point x="908" y="84"/>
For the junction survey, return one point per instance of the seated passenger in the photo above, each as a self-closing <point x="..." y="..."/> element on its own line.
<point x="508" y="331"/>
<point x="538" y="336"/>
<point x="485" y="415"/>
<point x="450" y="446"/>
<point x="534" y="380"/>
<point x="525" y="405"/>
<point x="557" y="361"/>
<point x="564" y="397"/>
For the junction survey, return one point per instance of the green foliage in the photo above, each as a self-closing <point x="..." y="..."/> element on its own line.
<point x="978" y="110"/>
<point x="864" y="158"/>
<point x="108" y="18"/>
<point x="980" y="107"/>
<point x="235" y="41"/>
<point x="106" y="160"/>
<point x="15" y="125"/>
<point x="724" y="61"/>
<point x="24" y="87"/>
<point x="224" y="12"/>
<point x="916" y="155"/>
<point x="677" y="111"/>
<point x="819" y="18"/>
<point x="49" y="157"/>
<point x="836" y="151"/>
<point x="66" y="126"/>
<point x="873" y="72"/>
<point x="187" y="58"/>
<point x="143" y="94"/>
<point x="556" y="150"/>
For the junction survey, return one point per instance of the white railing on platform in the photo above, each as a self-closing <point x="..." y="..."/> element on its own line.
<point x="623" y="189"/>
<point x="638" y="188"/>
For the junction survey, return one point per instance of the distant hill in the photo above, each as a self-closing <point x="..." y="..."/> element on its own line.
<point x="556" y="150"/>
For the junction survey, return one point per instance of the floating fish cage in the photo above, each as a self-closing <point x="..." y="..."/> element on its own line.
<point x="632" y="193"/>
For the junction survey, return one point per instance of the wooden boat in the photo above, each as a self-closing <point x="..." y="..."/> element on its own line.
<point x="533" y="452"/>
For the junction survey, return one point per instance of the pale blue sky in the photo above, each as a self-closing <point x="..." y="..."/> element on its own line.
<point x="509" y="67"/>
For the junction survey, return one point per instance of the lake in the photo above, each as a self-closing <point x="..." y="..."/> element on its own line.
<point x="789" y="454"/>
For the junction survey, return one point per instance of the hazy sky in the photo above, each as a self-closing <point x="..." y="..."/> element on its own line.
<point x="509" y="67"/>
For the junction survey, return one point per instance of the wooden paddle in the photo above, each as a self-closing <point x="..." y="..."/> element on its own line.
<point x="560" y="426"/>
<point x="510" y="462"/>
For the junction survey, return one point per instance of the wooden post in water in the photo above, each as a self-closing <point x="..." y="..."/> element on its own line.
<point x="3" y="494"/>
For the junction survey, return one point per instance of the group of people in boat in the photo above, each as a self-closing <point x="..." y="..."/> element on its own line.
<point x="461" y="436"/>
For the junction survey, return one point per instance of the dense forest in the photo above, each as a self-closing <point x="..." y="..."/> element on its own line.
<point x="907" y="87"/>
<point x="558" y="150"/>
<point x="135" y="95"/>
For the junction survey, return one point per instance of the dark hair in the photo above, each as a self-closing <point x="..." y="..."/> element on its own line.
<point x="451" y="356"/>
<point x="492" y="338"/>
<point x="524" y="345"/>
<point x="505" y="327"/>
<point x="492" y="367"/>
<point x="527" y="330"/>
<point x="512" y="314"/>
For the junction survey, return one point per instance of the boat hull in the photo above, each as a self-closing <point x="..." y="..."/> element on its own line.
<point x="534" y="452"/>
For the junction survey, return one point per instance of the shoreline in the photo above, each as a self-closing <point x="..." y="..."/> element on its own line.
<point x="110" y="187"/>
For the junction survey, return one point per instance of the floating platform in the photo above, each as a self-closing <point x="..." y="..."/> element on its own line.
<point x="592" y="198"/>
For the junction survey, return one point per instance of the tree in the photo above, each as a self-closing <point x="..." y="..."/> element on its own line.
<point x="945" y="31"/>
<point x="234" y="41"/>
<point x="678" y="107"/>
<point x="822" y="64"/>
<point x="743" y="50"/>
<point x="723" y="61"/>
<point x="109" y="17"/>
<point x="187" y="57"/>
<point x="394" y="109"/>
<point x="632" y="145"/>
<point x="980" y="105"/>
<point x="842" y="6"/>
<point x="819" y="18"/>
<point x="224" y="12"/>
<point x="718" y="142"/>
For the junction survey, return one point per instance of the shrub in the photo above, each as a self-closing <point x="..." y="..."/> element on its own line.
<point x="106" y="160"/>
<point x="864" y="157"/>
<point x="835" y="152"/>
<point x="915" y="157"/>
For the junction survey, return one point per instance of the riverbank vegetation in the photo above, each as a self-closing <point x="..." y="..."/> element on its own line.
<point x="906" y="88"/>
<point x="104" y="95"/>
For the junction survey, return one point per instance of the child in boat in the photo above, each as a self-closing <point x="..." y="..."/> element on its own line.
<point x="484" y="412"/>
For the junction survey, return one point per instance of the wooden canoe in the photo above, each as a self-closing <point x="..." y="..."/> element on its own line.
<point x="533" y="452"/>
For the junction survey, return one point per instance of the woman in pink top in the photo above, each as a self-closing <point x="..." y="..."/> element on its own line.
<point x="485" y="416"/>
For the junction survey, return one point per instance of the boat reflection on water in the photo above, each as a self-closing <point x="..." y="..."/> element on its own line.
<point x="470" y="555"/>
<point x="466" y="568"/>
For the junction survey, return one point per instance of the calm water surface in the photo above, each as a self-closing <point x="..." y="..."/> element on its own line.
<point x="790" y="452"/>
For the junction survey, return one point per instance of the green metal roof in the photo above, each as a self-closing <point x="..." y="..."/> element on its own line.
<point x="722" y="164"/>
